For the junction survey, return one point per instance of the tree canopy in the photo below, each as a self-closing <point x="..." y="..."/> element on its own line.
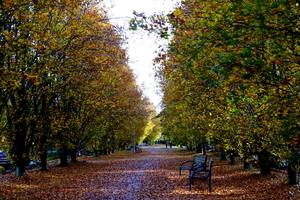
<point x="230" y="76"/>
<point x="65" y="82"/>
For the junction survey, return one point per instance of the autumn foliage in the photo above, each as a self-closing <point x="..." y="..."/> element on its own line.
<point x="230" y="77"/>
<point x="65" y="82"/>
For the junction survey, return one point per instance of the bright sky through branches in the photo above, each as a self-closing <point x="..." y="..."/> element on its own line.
<point x="141" y="46"/>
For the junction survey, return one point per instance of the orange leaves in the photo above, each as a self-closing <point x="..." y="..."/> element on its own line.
<point x="152" y="174"/>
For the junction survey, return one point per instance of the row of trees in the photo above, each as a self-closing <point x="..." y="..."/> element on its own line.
<point x="231" y="77"/>
<point x="64" y="82"/>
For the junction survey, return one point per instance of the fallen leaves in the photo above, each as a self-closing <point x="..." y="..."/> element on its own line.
<point x="153" y="174"/>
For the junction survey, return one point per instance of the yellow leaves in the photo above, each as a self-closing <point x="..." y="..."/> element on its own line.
<point x="105" y="25"/>
<point x="177" y="12"/>
<point x="45" y="14"/>
<point x="189" y="33"/>
<point x="6" y="34"/>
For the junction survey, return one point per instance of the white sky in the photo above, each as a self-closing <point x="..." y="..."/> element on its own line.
<point x="141" y="47"/>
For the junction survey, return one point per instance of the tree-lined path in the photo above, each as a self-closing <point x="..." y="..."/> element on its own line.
<point x="152" y="174"/>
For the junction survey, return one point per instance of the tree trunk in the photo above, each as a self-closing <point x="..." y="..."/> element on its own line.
<point x="63" y="156"/>
<point x="233" y="155"/>
<point x="20" y="170"/>
<point x="247" y="165"/>
<point x="43" y="158"/>
<point x="223" y="155"/>
<point x="293" y="176"/>
<point x="44" y="134"/>
<point x="199" y="148"/>
<point x="189" y="147"/>
<point x="20" y="150"/>
<point x="204" y="148"/>
<point x="246" y="156"/>
<point x="96" y="153"/>
<point x="264" y="162"/>
<point x="105" y="151"/>
<point x="73" y="156"/>
<point x="233" y="159"/>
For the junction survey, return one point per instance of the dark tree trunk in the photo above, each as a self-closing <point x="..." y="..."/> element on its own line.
<point x="246" y="156"/>
<point x="233" y="155"/>
<point x="20" y="171"/>
<point x="293" y="176"/>
<point x="73" y="156"/>
<point x="199" y="148"/>
<point x="189" y="147"/>
<point x="63" y="156"/>
<point x="264" y="162"/>
<point x="247" y="165"/>
<point x="44" y="134"/>
<point x="265" y="169"/>
<point x="20" y="136"/>
<point x="223" y="155"/>
<point x="96" y="153"/>
<point x="43" y="158"/>
<point x="233" y="159"/>
<point x="20" y="150"/>
<point x="43" y="150"/>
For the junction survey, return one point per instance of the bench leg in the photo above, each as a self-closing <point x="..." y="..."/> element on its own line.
<point x="210" y="184"/>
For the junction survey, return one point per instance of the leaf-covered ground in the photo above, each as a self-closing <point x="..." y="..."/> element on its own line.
<point x="152" y="174"/>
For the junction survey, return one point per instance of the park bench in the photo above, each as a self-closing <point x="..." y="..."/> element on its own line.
<point x="202" y="174"/>
<point x="192" y="165"/>
<point x="138" y="149"/>
<point x="5" y="163"/>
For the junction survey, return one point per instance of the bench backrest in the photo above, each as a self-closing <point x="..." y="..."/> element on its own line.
<point x="210" y="164"/>
<point x="200" y="159"/>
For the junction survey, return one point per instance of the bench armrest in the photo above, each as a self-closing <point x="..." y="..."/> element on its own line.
<point x="200" y="174"/>
<point x="187" y="161"/>
<point x="198" y="166"/>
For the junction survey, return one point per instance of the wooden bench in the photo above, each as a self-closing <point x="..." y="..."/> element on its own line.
<point x="202" y="174"/>
<point x="192" y="165"/>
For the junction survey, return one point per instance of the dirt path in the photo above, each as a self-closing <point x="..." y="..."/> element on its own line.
<point x="150" y="175"/>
